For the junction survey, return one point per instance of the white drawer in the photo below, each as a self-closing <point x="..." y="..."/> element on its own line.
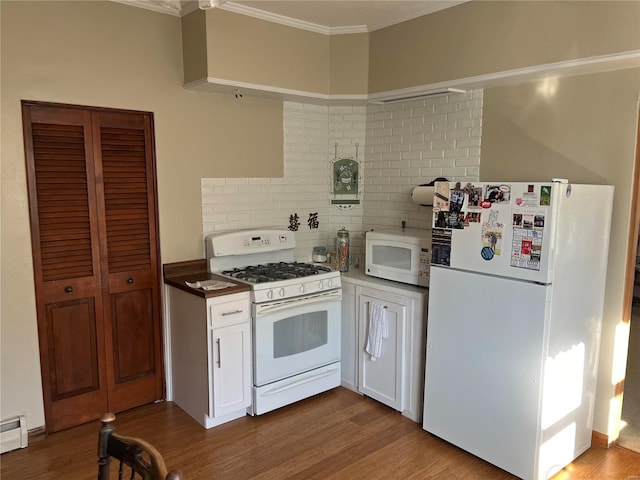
<point x="223" y="314"/>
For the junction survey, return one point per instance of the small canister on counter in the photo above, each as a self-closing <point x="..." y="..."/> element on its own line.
<point x="342" y="250"/>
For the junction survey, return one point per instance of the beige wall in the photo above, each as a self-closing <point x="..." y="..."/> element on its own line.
<point x="582" y="129"/>
<point x="112" y="55"/>
<point x="492" y="36"/>
<point x="194" y="45"/>
<point x="349" y="64"/>
<point x="247" y="49"/>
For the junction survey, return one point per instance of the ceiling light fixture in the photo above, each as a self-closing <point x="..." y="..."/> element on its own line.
<point x="208" y="4"/>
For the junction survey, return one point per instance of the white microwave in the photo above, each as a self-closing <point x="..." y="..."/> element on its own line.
<point x="402" y="255"/>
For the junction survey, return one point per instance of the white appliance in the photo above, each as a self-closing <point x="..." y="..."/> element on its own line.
<point x="402" y="255"/>
<point x="515" y="310"/>
<point x="296" y="314"/>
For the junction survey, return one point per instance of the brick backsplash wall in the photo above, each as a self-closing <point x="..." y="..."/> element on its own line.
<point x="398" y="145"/>
<point x="412" y="142"/>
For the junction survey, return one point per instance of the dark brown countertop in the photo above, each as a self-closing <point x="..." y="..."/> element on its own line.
<point x="175" y="274"/>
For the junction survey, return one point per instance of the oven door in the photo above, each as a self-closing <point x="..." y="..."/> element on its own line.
<point x="295" y="335"/>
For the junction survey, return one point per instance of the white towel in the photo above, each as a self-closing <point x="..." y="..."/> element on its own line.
<point x="378" y="329"/>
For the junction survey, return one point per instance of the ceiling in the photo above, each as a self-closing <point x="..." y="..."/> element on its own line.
<point x="322" y="16"/>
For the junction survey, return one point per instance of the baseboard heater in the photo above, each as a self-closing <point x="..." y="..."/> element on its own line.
<point x="13" y="433"/>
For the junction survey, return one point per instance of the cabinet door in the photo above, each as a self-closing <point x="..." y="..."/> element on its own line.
<point x="382" y="379"/>
<point x="231" y="369"/>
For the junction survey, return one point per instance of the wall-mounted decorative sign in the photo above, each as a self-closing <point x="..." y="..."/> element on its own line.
<point x="345" y="180"/>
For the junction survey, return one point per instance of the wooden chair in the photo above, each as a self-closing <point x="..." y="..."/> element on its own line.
<point x="136" y="456"/>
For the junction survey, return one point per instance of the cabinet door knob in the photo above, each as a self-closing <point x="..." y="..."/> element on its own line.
<point x="68" y="289"/>
<point x="129" y="280"/>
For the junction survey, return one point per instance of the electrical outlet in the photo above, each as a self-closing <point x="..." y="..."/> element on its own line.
<point x="404" y="218"/>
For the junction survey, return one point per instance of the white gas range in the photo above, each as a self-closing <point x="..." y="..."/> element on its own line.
<point x="296" y="314"/>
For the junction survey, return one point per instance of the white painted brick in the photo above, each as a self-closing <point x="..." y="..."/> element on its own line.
<point x="380" y="132"/>
<point x="443" y="144"/>
<point x="431" y="154"/>
<point x="468" y="142"/>
<point x="382" y="116"/>
<point x="212" y="181"/>
<point x="444" y="108"/>
<point x="467" y="162"/>
<point x="435" y="119"/>
<point x="392" y="139"/>
<point x="442" y="162"/>
<point x="458" y="133"/>
<point x="462" y="115"/>
<point x="414" y="121"/>
<point x="401" y="147"/>
<point x="344" y="109"/>
<point x="391" y="156"/>
<point x="431" y="172"/>
<point x="455" y="173"/>
<point x="455" y="152"/>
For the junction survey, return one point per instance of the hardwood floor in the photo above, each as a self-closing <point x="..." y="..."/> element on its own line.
<point x="335" y="435"/>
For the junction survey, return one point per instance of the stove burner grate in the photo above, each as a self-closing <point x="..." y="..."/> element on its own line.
<point x="272" y="272"/>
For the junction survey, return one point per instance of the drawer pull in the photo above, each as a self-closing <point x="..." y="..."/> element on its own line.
<point x="234" y="312"/>
<point x="129" y="280"/>
<point x="68" y="289"/>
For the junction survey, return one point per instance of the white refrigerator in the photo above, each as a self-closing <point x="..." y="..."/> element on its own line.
<point x="515" y="311"/>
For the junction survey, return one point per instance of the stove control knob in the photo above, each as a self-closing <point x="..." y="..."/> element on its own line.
<point x="270" y="294"/>
<point x="301" y="288"/>
<point x="320" y="285"/>
<point x="281" y="292"/>
<point x="329" y="283"/>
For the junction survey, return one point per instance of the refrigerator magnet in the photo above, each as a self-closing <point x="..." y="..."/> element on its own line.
<point x="486" y="253"/>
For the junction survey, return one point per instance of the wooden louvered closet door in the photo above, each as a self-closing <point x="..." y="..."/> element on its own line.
<point x="91" y="179"/>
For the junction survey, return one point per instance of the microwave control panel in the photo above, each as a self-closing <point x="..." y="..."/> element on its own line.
<point x="425" y="262"/>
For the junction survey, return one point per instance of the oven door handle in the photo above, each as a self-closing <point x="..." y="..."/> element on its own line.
<point x="297" y="383"/>
<point x="265" y="309"/>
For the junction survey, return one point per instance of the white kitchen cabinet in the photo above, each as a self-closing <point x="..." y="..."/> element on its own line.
<point x="210" y="355"/>
<point x="397" y="377"/>
<point x="349" y="336"/>
<point x="382" y="378"/>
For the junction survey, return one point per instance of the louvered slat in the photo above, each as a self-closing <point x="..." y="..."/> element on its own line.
<point x="124" y="169"/>
<point x="63" y="204"/>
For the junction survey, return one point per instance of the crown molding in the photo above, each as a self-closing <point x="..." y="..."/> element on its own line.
<point x="290" y="22"/>
<point x="432" y="7"/>
<point x="231" y="87"/>
<point x="170" y="7"/>
<point x="180" y="8"/>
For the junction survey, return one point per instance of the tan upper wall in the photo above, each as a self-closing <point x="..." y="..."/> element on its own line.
<point x="349" y="64"/>
<point x="194" y="46"/>
<point x="482" y="37"/>
<point x="246" y="49"/>
<point x="240" y="49"/>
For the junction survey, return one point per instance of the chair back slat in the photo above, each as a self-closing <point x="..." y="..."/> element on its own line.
<point x="135" y="455"/>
